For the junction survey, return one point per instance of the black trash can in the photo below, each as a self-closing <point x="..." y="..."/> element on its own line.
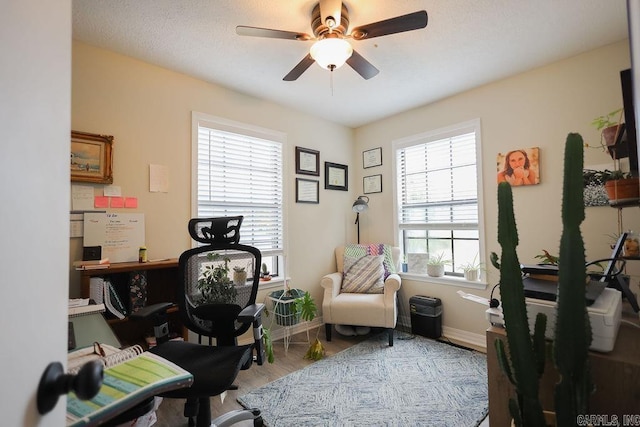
<point x="426" y="316"/>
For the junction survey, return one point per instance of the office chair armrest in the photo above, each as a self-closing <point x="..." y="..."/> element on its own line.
<point x="150" y="310"/>
<point x="250" y="313"/>
<point x="253" y="314"/>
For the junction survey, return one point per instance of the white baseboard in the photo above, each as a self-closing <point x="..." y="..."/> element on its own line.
<point x="459" y="336"/>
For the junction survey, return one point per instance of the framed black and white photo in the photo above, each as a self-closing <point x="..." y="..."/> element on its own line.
<point x="371" y="158"/>
<point x="372" y="184"/>
<point x="307" y="161"/>
<point x="307" y="191"/>
<point x="335" y="176"/>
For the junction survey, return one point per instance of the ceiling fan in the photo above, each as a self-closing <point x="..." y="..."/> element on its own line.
<point x="330" y="22"/>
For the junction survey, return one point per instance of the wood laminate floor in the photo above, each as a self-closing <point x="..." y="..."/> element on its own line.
<point x="170" y="411"/>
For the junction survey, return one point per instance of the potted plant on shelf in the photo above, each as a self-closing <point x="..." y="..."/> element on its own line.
<point x="214" y="284"/>
<point x="239" y="275"/>
<point x="265" y="275"/>
<point x="472" y="269"/>
<point x="621" y="187"/>
<point x="435" y="265"/>
<point x="609" y="130"/>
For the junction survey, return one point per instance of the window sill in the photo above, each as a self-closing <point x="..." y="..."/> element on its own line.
<point x="276" y="283"/>
<point x="459" y="282"/>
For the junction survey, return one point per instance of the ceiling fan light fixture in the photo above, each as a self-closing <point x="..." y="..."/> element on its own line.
<point x="331" y="53"/>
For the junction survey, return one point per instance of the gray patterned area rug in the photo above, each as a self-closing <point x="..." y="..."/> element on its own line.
<point x="417" y="382"/>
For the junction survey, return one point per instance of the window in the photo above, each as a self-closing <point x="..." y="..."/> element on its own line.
<point x="437" y="197"/>
<point x="238" y="171"/>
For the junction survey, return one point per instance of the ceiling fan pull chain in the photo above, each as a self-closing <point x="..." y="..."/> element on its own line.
<point x="331" y="81"/>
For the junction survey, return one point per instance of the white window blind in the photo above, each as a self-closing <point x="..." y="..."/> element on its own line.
<point x="241" y="174"/>
<point x="437" y="184"/>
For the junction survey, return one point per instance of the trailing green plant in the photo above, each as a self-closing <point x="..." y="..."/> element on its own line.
<point x="214" y="285"/>
<point x="605" y="121"/>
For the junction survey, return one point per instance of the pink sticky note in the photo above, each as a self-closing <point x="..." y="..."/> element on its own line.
<point x="117" y="202"/>
<point x="130" y="202"/>
<point x="101" y="202"/>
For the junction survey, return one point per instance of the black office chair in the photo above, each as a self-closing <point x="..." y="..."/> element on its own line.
<point x="214" y="308"/>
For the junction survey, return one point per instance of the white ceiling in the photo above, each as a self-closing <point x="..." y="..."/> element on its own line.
<point x="465" y="44"/>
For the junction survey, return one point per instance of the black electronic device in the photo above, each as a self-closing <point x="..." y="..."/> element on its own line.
<point x="426" y="316"/>
<point x="71" y="344"/>
<point x="91" y="253"/>
<point x="547" y="289"/>
<point x="630" y="128"/>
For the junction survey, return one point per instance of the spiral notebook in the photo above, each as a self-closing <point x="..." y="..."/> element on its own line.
<point x="112" y="355"/>
<point x="130" y="377"/>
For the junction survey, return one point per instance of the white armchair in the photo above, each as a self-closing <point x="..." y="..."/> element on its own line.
<point x="360" y="309"/>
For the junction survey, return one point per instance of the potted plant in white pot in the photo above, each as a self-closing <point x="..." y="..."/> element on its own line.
<point x="471" y="270"/>
<point x="435" y="265"/>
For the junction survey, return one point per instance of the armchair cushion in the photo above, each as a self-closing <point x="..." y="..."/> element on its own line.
<point x="363" y="274"/>
<point x="358" y="251"/>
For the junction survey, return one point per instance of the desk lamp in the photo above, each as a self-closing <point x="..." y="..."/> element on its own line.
<point x="360" y="205"/>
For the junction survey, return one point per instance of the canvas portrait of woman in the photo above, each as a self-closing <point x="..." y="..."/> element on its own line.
<point x="519" y="167"/>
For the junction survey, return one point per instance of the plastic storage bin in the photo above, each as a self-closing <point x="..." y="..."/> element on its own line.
<point x="426" y="316"/>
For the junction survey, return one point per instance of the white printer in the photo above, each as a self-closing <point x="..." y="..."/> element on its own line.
<point x="604" y="314"/>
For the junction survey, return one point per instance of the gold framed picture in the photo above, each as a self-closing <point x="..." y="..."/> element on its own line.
<point x="91" y="158"/>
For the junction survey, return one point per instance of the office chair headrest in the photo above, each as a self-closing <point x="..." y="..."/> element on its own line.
<point x="216" y="230"/>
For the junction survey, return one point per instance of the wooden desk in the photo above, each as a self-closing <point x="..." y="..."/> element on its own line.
<point x="162" y="279"/>
<point x="616" y="376"/>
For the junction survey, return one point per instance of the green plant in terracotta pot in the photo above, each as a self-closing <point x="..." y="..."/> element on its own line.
<point x="609" y="126"/>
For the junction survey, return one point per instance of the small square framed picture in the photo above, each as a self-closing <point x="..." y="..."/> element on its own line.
<point x="307" y="191"/>
<point x="336" y="176"/>
<point x="371" y="158"/>
<point x="372" y="184"/>
<point x="307" y="161"/>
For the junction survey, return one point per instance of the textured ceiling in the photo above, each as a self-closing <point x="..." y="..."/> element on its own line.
<point x="465" y="44"/>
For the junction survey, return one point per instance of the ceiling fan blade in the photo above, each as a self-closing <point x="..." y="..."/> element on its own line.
<point x="362" y="66"/>
<point x="273" y="34"/>
<point x="299" y="69"/>
<point x="331" y="9"/>
<point x="399" y="24"/>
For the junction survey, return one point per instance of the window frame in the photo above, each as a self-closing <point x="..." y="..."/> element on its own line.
<point x="214" y="122"/>
<point x="473" y="125"/>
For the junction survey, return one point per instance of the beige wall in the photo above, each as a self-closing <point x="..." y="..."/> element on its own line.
<point x="148" y="111"/>
<point x="534" y="109"/>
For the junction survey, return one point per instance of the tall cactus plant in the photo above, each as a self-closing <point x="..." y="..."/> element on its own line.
<point x="573" y="329"/>
<point x="526" y="362"/>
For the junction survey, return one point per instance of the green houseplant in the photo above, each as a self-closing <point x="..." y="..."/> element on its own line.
<point x="293" y="305"/>
<point x="572" y="339"/>
<point x="214" y="284"/>
<point x="436" y="263"/>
